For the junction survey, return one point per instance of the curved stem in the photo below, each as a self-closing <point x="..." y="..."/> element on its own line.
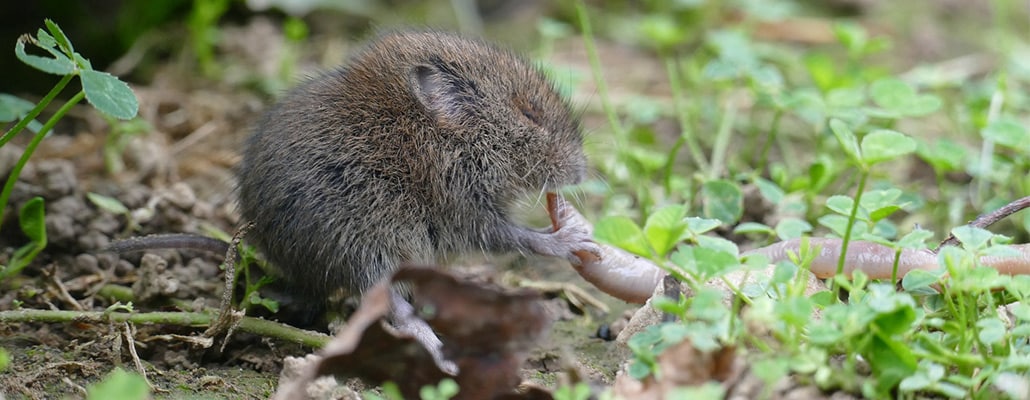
<point x="13" y="177"/>
<point x="595" y="65"/>
<point x="894" y="268"/>
<point x="697" y="154"/>
<point x="851" y="224"/>
<point x="722" y="140"/>
<point x="774" y="131"/>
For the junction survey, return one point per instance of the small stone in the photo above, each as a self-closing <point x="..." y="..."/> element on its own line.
<point x="9" y="155"/>
<point x="180" y="195"/>
<point x="60" y="229"/>
<point x="87" y="262"/>
<point x="154" y="281"/>
<point x="94" y="240"/>
<point x="106" y="223"/>
<point x="72" y="206"/>
<point x="58" y="178"/>
<point x="123" y="268"/>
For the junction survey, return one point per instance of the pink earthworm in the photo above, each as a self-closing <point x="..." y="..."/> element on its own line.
<point x="633" y="278"/>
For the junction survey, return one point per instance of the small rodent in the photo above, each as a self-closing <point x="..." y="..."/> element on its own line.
<point x="415" y="149"/>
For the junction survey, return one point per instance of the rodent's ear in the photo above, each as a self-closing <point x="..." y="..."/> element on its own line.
<point x="441" y="91"/>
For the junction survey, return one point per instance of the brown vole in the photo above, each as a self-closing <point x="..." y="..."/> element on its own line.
<point x="415" y="149"/>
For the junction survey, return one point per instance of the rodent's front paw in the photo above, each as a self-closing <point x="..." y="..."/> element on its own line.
<point x="571" y="240"/>
<point x="571" y="232"/>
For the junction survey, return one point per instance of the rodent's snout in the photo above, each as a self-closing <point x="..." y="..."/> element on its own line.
<point x="572" y="166"/>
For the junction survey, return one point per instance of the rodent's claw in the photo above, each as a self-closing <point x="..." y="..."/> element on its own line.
<point x="574" y="237"/>
<point x="571" y="231"/>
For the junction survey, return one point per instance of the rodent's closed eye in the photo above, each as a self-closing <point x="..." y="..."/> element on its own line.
<point x="529" y="109"/>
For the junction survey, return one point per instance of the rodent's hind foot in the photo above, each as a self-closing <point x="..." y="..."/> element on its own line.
<point x="402" y="317"/>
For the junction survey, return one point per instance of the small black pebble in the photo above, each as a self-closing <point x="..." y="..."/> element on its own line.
<point x="604" y="332"/>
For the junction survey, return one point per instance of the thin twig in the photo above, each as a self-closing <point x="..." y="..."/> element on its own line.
<point x="256" y="326"/>
<point x="228" y="318"/>
<point x="62" y="290"/>
<point x="131" y="343"/>
<point x="985" y="220"/>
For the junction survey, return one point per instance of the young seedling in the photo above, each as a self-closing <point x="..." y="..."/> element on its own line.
<point x="32" y="220"/>
<point x="104" y="91"/>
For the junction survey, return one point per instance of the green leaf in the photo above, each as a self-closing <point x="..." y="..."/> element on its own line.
<point x="847" y="139"/>
<point x="624" y="233"/>
<point x="718" y="243"/>
<point x="917" y="381"/>
<point x="972" y="238"/>
<point x="876" y="199"/>
<point x="900" y="98"/>
<point x="59" y="36"/>
<point x="943" y="155"/>
<point x="896" y="311"/>
<point x="840" y="204"/>
<point x="918" y="281"/>
<point x="771" y="370"/>
<point x="639" y="370"/>
<point x="881" y="213"/>
<point x="109" y="94"/>
<point x="752" y="228"/>
<point x="845" y="98"/>
<point x="823" y="172"/>
<point x="791" y="228"/>
<point x="701" y="225"/>
<point x="119" y="384"/>
<point x="109" y="204"/>
<point x="1019" y="287"/>
<point x="769" y="190"/>
<point x="768" y="79"/>
<point x="1008" y="132"/>
<point x="796" y="311"/>
<point x="665" y="228"/>
<point x="58" y="66"/>
<point x="992" y="330"/>
<point x="892" y="94"/>
<point x="823" y="70"/>
<point x="33" y="220"/>
<point x="915" y="239"/>
<point x="838" y="224"/>
<point x="13" y="107"/>
<point x="48" y="43"/>
<point x="82" y="62"/>
<point x="578" y="391"/>
<point x="824" y="333"/>
<point x="662" y="30"/>
<point x="884" y="144"/>
<point x="853" y="36"/>
<point x="723" y="200"/>
<point x="892" y="360"/>
<point x="923" y="105"/>
<point x="5" y="359"/>
<point x="667" y="305"/>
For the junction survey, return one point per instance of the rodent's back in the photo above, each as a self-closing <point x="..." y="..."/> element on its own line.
<point x="416" y="147"/>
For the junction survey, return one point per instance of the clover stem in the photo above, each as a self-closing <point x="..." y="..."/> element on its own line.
<point x="31" y="147"/>
<point x="851" y="224"/>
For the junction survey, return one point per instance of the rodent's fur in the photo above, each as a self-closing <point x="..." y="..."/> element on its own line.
<point x="415" y="149"/>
